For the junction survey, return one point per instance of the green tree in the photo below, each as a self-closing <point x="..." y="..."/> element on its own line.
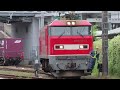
<point x="113" y="56"/>
<point x="94" y="29"/>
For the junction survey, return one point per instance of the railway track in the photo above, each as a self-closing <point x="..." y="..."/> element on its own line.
<point x="21" y="69"/>
<point x="41" y="73"/>
<point x="4" y="76"/>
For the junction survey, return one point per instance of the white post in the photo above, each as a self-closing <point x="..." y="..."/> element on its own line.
<point x="42" y="20"/>
<point x="41" y="24"/>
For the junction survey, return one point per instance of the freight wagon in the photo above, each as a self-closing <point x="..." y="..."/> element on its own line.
<point x="11" y="51"/>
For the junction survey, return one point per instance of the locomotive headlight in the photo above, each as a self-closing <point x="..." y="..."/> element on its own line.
<point x="61" y="47"/>
<point x="73" y="23"/>
<point x="68" y="23"/>
<point x="81" y="46"/>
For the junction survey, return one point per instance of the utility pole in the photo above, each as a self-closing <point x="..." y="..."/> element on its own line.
<point x="105" y="27"/>
<point x="37" y="56"/>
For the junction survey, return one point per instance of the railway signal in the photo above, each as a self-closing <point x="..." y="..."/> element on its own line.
<point x="105" y="27"/>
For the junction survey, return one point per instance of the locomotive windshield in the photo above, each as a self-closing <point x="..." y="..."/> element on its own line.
<point x="67" y="31"/>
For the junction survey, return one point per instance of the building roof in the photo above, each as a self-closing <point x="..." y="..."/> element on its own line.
<point x="114" y="31"/>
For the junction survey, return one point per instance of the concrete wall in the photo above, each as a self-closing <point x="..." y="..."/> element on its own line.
<point x="1" y="26"/>
<point x="48" y="20"/>
<point x="7" y="29"/>
<point x="29" y="32"/>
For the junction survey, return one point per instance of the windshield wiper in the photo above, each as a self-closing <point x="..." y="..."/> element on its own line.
<point x="62" y="34"/>
<point x="80" y="33"/>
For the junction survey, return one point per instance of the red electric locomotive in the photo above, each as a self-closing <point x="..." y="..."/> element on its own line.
<point x="65" y="47"/>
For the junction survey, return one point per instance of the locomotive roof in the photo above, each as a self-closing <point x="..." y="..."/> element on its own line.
<point x="64" y="23"/>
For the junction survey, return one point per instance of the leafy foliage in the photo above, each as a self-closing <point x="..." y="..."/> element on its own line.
<point x="113" y="55"/>
<point x="98" y="44"/>
<point x="94" y="29"/>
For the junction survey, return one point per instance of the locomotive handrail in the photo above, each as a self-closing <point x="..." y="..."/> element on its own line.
<point x="72" y="55"/>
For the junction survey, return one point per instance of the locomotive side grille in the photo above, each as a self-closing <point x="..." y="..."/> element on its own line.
<point x="71" y="57"/>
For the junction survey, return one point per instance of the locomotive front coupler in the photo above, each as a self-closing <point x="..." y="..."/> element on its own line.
<point x="70" y="65"/>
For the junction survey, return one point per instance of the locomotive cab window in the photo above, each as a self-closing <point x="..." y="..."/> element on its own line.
<point x="56" y="31"/>
<point x="83" y="30"/>
<point x="67" y="31"/>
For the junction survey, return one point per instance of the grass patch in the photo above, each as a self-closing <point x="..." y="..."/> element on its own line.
<point x="17" y="73"/>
